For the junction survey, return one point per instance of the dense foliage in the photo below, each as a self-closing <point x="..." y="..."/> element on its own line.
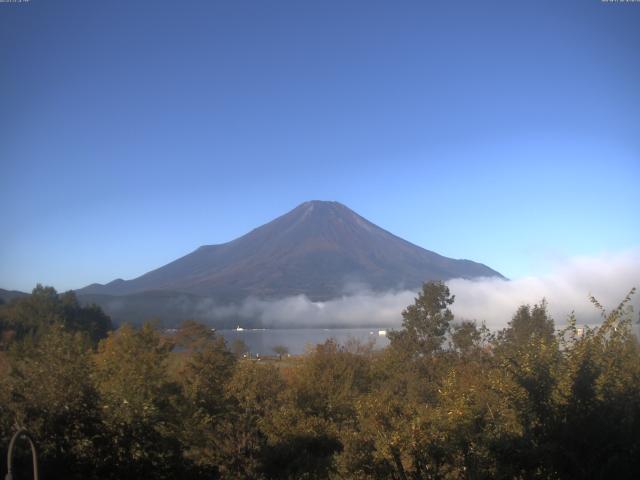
<point x="446" y="400"/>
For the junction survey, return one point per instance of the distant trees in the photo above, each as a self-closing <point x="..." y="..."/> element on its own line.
<point x="280" y="350"/>
<point x="239" y="348"/>
<point x="33" y="314"/>
<point x="445" y="400"/>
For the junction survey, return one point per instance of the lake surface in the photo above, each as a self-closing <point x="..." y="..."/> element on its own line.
<point x="262" y="341"/>
<point x="297" y="340"/>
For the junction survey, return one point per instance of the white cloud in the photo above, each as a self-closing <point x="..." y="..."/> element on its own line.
<point x="364" y="308"/>
<point x="566" y="288"/>
<point x="607" y="277"/>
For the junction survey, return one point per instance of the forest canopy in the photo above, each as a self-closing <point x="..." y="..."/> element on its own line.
<point x="447" y="399"/>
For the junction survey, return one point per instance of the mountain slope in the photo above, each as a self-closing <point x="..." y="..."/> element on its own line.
<point x="320" y="249"/>
<point x="8" y="295"/>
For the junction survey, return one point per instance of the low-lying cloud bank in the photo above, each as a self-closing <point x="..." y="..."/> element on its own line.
<point x="361" y="309"/>
<point x="494" y="301"/>
<point x="608" y="278"/>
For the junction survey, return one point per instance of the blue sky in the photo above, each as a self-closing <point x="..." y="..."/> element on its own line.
<point x="133" y="132"/>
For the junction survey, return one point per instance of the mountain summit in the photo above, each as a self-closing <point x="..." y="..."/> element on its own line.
<point x="320" y="249"/>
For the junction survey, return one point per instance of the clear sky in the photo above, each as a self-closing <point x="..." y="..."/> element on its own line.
<point x="132" y="132"/>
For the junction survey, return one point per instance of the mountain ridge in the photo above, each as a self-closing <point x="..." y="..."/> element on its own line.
<point x="317" y="249"/>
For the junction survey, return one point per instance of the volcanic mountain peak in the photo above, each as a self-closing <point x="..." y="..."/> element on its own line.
<point x="315" y="249"/>
<point x="325" y="211"/>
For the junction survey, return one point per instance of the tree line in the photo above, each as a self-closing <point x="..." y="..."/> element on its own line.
<point x="446" y="399"/>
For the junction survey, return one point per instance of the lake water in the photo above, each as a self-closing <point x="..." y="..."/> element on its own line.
<point x="262" y="341"/>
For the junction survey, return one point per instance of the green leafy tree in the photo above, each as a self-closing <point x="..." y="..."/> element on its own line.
<point x="28" y="315"/>
<point x="467" y="337"/>
<point x="317" y="406"/>
<point x="529" y="322"/>
<point x="529" y="362"/>
<point x="32" y="315"/>
<point x="137" y="403"/>
<point x="49" y="391"/>
<point x="90" y="319"/>
<point x="425" y="323"/>
<point x="253" y="392"/>
<point x="204" y="407"/>
<point x="394" y="437"/>
<point x="598" y="423"/>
